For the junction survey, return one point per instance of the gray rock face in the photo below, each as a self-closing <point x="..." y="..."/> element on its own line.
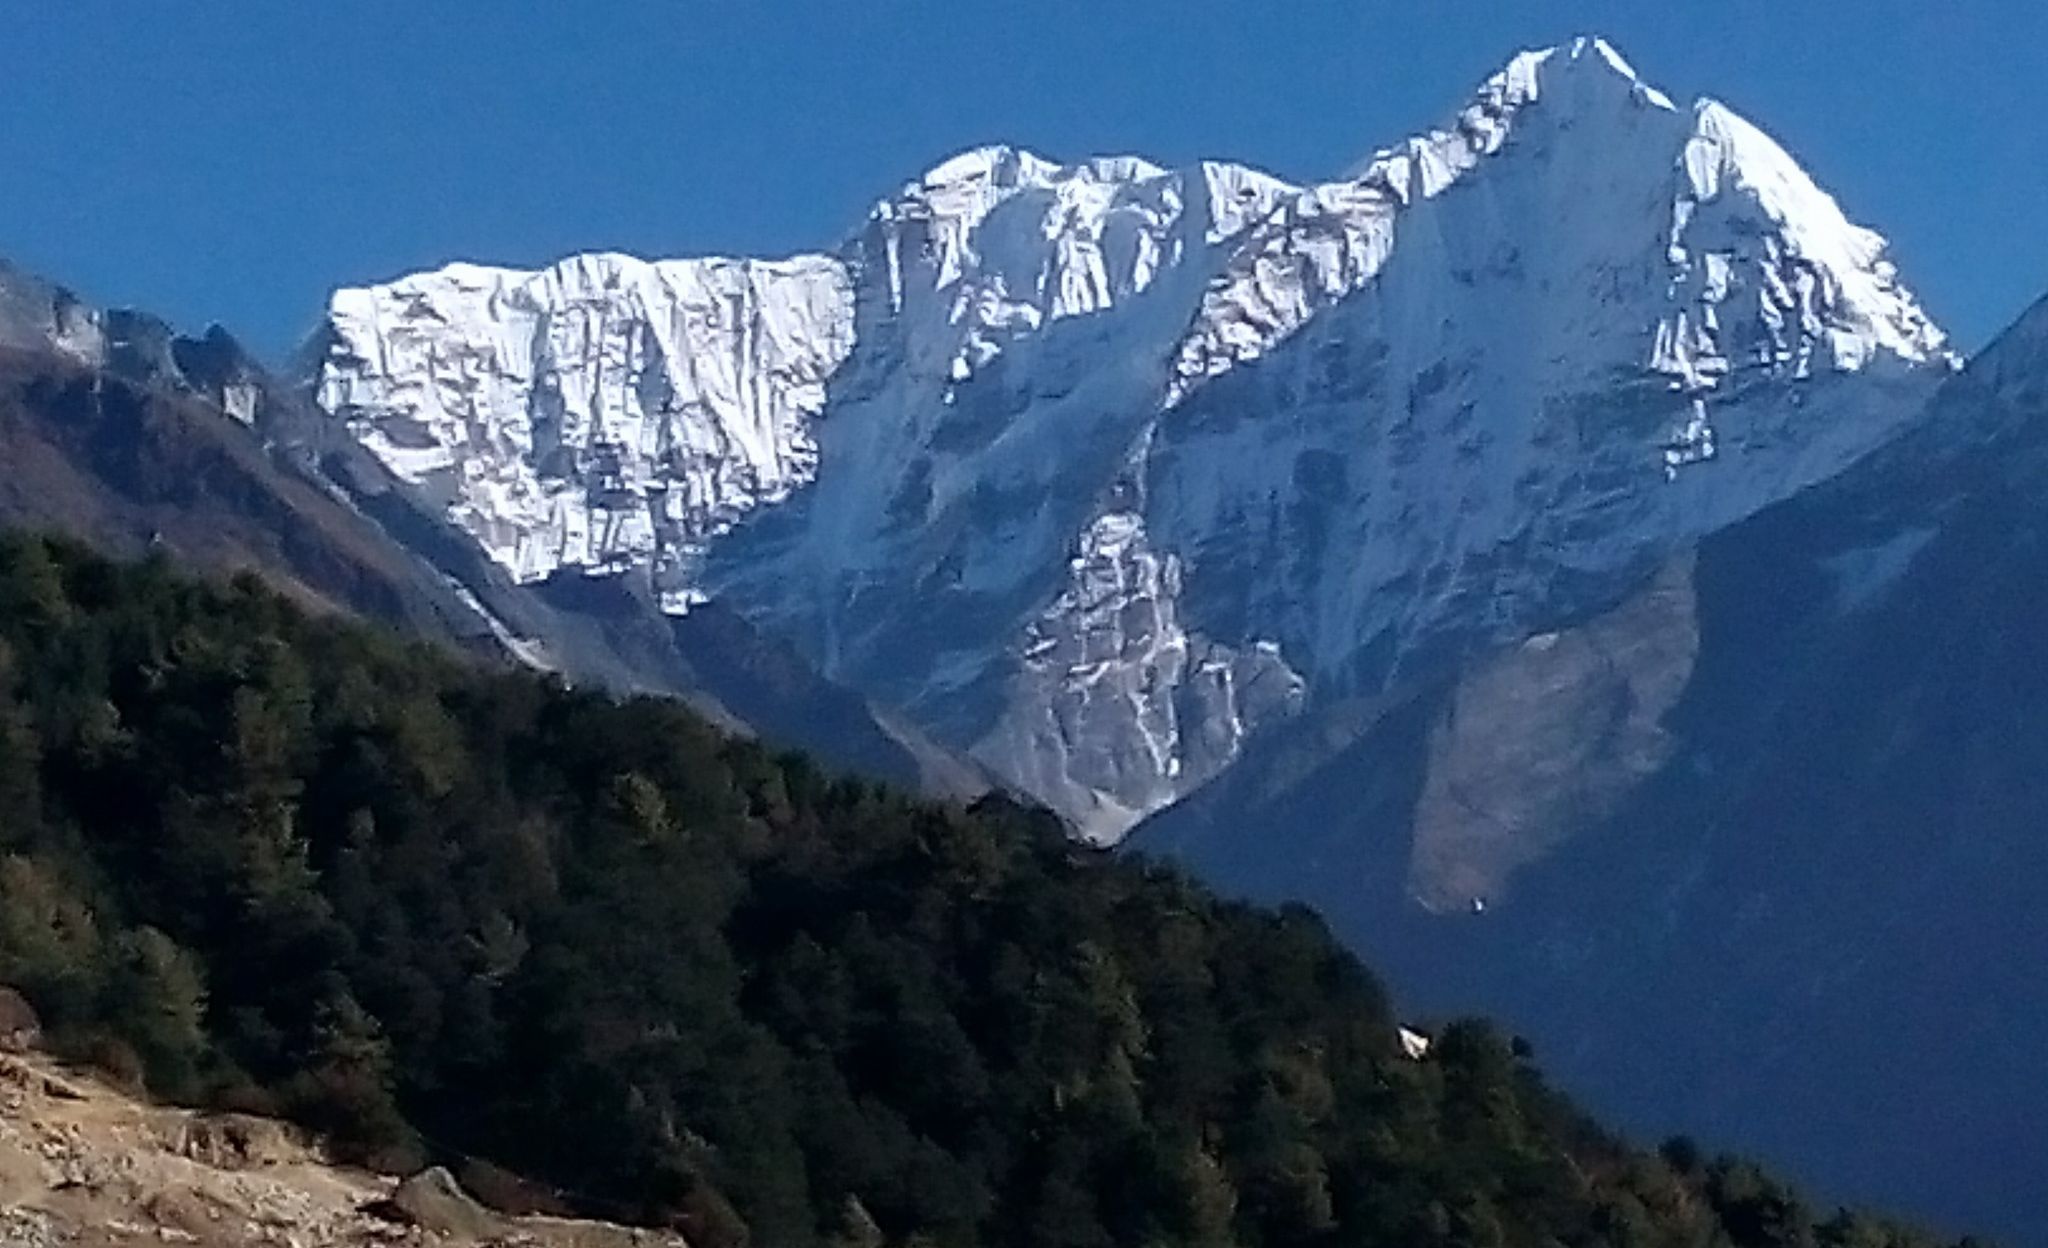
<point x="1545" y="738"/>
<point x="434" y="1202"/>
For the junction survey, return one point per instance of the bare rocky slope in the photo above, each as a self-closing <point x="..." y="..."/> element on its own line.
<point x="82" y="1163"/>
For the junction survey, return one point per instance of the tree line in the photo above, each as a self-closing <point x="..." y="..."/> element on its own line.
<point x="289" y="864"/>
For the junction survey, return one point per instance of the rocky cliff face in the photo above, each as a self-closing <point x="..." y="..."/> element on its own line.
<point x="1100" y="470"/>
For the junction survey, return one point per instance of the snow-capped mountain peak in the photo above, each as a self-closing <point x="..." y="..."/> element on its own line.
<point x="1096" y="467"/>
<point x="1616" y="157"/>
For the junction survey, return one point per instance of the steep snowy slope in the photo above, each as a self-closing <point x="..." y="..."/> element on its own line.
<point x="1760" y="847"/>
<point x="1448" y="400"/>
<point x="1098" y="469"/>
<point x="600" y="414"/>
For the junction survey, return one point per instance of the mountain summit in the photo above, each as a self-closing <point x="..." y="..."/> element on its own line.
<point x="1098" y="469"/>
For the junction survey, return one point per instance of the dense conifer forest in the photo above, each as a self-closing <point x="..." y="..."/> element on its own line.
<point x="438" y="911"/>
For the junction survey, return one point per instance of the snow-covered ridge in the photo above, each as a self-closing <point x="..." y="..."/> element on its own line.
<point x="597" y="414"/>
<point x="609" y="412"/>
<point x="520" y="398"/>
<point x="1807" y="278"/>
<point x="1098" y="467"/>
<point x="997" y="243"/>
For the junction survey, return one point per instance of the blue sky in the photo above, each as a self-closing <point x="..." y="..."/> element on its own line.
<point x="231" y="161"/>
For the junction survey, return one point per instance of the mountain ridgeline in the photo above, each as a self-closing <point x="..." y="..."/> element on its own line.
<point x="131" y="436"/>
<point x="281" y="862"/>
<point x="1101" y="472"/>
<point x="1392" y="543"/>
<point x="1560" y="551"/>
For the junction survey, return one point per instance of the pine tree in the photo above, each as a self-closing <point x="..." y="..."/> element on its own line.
<point x="157" y="994"/>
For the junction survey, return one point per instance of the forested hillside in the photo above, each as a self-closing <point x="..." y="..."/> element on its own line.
<point x="436" y="910"/>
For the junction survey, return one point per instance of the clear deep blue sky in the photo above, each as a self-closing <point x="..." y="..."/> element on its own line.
<point x="231" y="161"/>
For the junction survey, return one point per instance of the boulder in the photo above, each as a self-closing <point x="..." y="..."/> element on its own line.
<point x="433" y="1201"/>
